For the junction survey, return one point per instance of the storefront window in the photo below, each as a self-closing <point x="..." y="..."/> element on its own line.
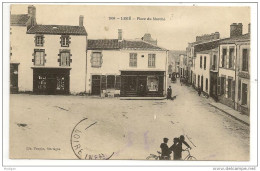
<point x="152" y="83"/>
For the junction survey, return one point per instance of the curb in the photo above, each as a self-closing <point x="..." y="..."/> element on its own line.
<point x="240" y="120"/>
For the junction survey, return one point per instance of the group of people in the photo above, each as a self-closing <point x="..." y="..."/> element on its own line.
<point x="176" y="148"/>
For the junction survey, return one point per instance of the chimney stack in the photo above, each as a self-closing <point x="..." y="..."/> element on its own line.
<point x="32" y="11"/>
<point x="236" y="29"/>
<point x="81" y="18"/>
<point x="120" y="37"/>
<point x="32" y="15"/>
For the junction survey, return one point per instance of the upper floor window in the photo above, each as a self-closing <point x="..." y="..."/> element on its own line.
<point x="231" y="58"/>
<point x="133" y="60"/>
<point x="65" y="40"/>
<point x="39" y="40"/>
<point x="65" y="58"/>
<point x="214" y="65"/>
<point x="151" y="60"/>
<point x="205" y="62"/>
<point x="96" y="59"/>
<point x="39" y="57"/>
<point x="245" y="60"/>
<point x="224" y="56"/>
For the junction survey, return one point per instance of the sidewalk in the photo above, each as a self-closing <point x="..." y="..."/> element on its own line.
<point x="231" y="112"/>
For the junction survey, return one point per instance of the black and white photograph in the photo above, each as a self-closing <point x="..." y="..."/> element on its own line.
<point x="145" y="82"/>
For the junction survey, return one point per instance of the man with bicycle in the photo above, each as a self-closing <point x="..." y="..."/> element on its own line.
<point x="165" y="149"/>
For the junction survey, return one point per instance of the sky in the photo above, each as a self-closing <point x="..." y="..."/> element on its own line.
<point x="181" y="24"/>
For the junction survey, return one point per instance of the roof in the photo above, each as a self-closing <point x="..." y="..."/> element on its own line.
<point x="57" y="29"/>
<point x="19" y="19"/>
<point x="242" y="38"/>
<point x="110" y="44"/>
<point x="103" y="44"/>
<point x="207" y="51"/>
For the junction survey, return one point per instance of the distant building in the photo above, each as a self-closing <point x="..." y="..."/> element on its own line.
<point x="118" y="67"/>
<point x="148" y="38"/>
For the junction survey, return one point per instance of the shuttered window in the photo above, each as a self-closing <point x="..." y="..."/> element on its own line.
<point x="245" y="60"/>
<point x="133" y="60"/>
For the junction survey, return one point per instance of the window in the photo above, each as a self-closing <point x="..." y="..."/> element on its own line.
<point x="111" y="81"/>
<point x="205" y="62"/>
<point x="198" y="80"/>
<point x="224" y="56"/>
<point x="152" y="83"/>
<point x="244" y="94"/>
<point x="96" y="59"/>
<point x="207" y="84"/>
<point x="231" y="57"/>
<point x="151" y="60"/>
<point x="39" y="57"/>
<point x="39" y="40"/>
<point x="103" y="82"/>
<point x="133" y="60"/>
<point x="233" y="89"/>
<point x="229" y="88"/>
<point x="239" y="89"/>
<point x="214" y="62"/>
<point x="118" y="82"/>
<point x="200" y="61"/>
<point x="65" y="40"/>
<point x="64" y="58"/>
<point x="222" y="85"/>
<point x="245" y="60"/>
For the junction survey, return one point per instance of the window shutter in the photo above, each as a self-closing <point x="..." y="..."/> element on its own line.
<point x="233" y="89"/>
<point x="219" y="84"/>
<point x="220" y="62"/>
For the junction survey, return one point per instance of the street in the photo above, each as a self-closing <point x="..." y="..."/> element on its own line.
<point x="41" y="126"/>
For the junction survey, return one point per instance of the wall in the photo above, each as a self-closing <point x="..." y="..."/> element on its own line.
<point x="116" y="60"/>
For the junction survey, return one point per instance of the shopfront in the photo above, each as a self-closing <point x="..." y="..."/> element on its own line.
<point x="142" y="83"/>
<point x="51" y="80"/>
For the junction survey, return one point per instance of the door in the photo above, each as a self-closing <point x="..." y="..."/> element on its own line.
<point x="201" y="83"/>
<point x="142" y="83"/>
<point x="14" y="78"/>
<point x="96" y="84"/>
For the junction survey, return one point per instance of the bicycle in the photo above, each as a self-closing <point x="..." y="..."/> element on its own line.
<point x="189" y="156"/>
<point x="157" y="157"/>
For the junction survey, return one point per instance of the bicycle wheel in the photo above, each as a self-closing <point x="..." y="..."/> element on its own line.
<point x="152" y="157"/>
<point x="191" y="158"/>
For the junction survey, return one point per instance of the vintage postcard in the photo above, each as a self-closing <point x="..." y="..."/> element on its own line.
<point x="130" y="82"/>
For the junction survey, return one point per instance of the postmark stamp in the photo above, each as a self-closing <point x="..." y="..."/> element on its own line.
<point x="88" y="141"/>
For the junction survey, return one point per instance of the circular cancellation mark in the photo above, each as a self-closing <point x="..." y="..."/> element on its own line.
<point x="90" y="141"/>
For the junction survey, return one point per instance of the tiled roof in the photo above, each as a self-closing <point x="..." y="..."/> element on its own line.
<point x="19" y="19"/>
<point x="138" y="45"/>
<point x="105" y="44"/>
<point x="242" y="38"/>
<point x="57" y="29"/>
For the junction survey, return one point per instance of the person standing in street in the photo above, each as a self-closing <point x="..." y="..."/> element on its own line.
<point x="165" y="149"/>
<point x="199" y="91"/>
<point x="169" y="93"/>
<point x="176" y="148"/>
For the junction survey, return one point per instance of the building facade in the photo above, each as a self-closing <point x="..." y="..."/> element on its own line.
<point x="51" y="58"/>
<point x="118" y="67"/>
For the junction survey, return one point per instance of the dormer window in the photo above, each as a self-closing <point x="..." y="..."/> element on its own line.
<point x="39" y="40"/>
<point x="65" y="40"/>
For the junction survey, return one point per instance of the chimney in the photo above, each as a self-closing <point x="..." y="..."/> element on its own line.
<point x="32" y="15"/>
<point x="120" y="37"/>
<point x="249" y="28"/>
<point x="236" y="29"/>
<point x="32" y="11"/>
<point x="81" y="19"/>
<point x="216" y="35"/>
